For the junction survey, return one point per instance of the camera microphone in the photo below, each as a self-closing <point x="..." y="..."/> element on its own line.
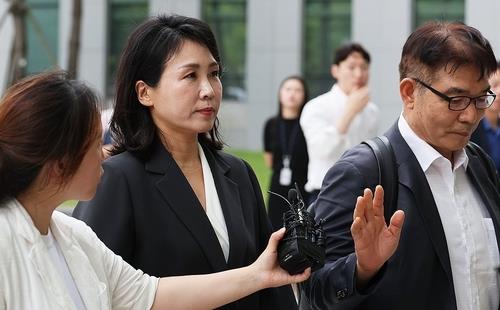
<point x="293" y="196"/>
<point x="304" y="242"/>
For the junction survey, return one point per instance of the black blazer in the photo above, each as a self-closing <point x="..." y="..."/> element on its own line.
<point x="147" y="212"/>
<point x="418" y="275"/>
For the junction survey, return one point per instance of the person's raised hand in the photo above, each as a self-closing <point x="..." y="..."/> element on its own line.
<point x="267" y="267"/>
<point x="358" y="99"/>
<point x="374" y="242"/>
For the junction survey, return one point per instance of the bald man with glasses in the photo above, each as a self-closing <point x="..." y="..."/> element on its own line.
<point x="441" y="248"/>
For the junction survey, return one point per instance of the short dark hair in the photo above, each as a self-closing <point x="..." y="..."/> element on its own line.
<point x="149" y="47"/>
<point x="343" y="52"/>
<point x="304" y="86"/>
<point x="450" y="45"/>
<point x="44" y="118"/>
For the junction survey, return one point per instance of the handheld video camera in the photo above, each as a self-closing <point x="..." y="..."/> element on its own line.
<point x="304" y="242"/>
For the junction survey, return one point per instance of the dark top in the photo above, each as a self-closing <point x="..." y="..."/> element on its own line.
<point x="106" y="138"/>
<point x="285" y="136"/>
<point x="146" y="211"/>
<point x="488" y="138"/>
<point x="418" y="275"/>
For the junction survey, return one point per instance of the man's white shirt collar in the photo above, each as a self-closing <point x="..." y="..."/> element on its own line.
<point x="423" y="151"/>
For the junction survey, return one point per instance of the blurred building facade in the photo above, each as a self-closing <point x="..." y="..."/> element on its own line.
<point x="261" y="42"/>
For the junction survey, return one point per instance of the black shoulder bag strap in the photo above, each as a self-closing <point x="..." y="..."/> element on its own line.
<point x="475" y="149"/>
<point x="387" y="173"/>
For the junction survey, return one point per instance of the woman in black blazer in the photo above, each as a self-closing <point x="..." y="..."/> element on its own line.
<point x="170" y="201"/>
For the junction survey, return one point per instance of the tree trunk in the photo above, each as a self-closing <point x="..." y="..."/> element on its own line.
<point x="74" y="42"/>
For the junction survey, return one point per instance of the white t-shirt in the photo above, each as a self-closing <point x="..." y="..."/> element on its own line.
<point x="60" y="263"/>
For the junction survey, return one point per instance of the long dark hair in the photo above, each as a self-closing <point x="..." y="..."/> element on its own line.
<point x="304" y="86"/>
<point x="43" y="118"/>
<point x="148" y="49"/>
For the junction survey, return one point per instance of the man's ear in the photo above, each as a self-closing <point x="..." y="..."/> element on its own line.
<point x="408" y="91"/>
<point x="142" y="89"/>
<point x="334" y="71"/>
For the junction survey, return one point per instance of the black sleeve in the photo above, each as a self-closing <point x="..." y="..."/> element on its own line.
<point x="109" y="213"/>
<point x="268" y="135"/>
<point x="334" y="284"/>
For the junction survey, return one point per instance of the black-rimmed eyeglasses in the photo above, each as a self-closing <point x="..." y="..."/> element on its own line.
<point x="460" y="103"/>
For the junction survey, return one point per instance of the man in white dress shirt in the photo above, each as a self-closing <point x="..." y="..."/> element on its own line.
<point x="441" y="247"/>
<point x="341" y="118"/>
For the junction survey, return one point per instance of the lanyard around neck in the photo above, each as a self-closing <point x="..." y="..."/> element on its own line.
<point x="288" y="144"/>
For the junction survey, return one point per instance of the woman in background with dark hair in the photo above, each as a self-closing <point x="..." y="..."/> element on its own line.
<point x="50" y="152"/>
<point x="170" y="201"/>
<point x="285" y="149"/>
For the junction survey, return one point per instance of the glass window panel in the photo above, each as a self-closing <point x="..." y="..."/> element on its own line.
<point x="124" y="16"/>
<point x="426" y="10"/>
<point x="327" y="26"/>
<point x="227" y="19"/>
<point x="42" y="35"/>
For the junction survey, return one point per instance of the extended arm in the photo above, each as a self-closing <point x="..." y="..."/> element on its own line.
<point x="336" y="284"/>
<point x="268" y="159"/>
<point x="214" y="290"/>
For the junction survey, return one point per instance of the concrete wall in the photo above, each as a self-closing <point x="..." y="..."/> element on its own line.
<point x="93" y="49"/>
<point x="272" y="54"/>
<point x="274" y="49"/>
<point x="182" y="7"/>
<point x="382" y="27"/>
<point x="483" y="14"/>
<point x="65" y="18"/>
<point x="6" y="37"/>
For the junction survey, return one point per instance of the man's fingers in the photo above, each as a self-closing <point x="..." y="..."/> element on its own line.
<point x="378" y="201"/>
<point x="368" y="198"/>
<point x="359" y="210"/>
<point x="356" y="228"/>
<point x="396" y="224"/>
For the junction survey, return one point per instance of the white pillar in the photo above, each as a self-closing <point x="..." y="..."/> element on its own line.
<point x="274" y="45"/>
<point x="483" y="15"/>
<point x="65" y="20"/>
<point x="190" y="8"/>
<point x="93" y="44"/>
<point x="382" y="27"/>
<point x="6" y="37"/>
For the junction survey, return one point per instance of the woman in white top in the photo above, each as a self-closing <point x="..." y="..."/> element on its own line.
<point x="50" y="152"/>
